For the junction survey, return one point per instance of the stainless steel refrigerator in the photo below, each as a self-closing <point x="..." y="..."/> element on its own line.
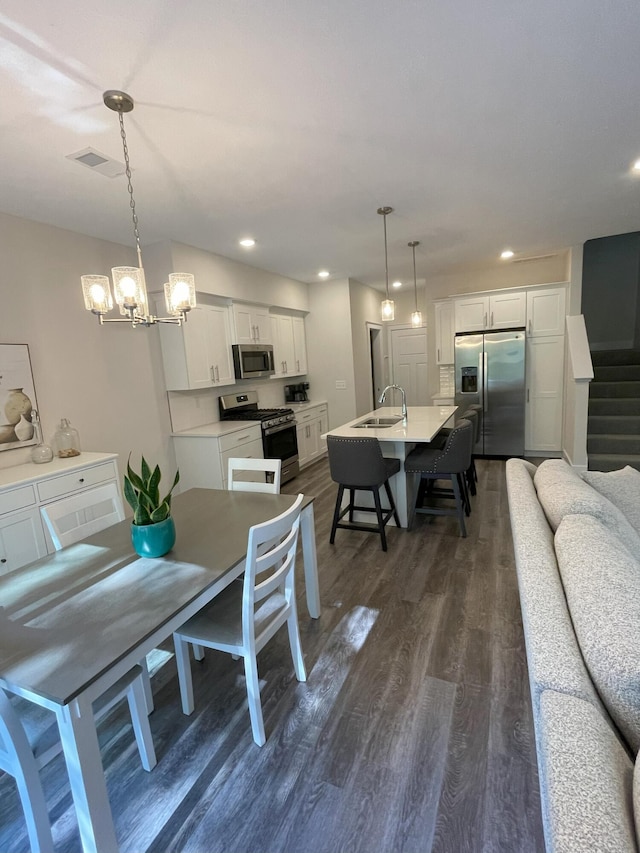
<point x="490" y="372"/>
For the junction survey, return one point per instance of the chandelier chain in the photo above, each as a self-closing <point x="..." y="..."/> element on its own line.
<point x="132" y="201"/>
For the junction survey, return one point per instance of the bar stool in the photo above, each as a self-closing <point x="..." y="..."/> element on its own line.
<point x="357" y="464"/>
<point x="448" y="463"/>
<point x="477" y="408"/>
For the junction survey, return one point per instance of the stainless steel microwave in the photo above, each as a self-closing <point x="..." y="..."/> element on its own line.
<point x="251" y="361"/>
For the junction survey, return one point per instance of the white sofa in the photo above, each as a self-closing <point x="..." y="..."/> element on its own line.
<point x="577" y="549"/>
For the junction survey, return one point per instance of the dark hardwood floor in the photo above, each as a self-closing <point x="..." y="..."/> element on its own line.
<point x="412" y="734"/>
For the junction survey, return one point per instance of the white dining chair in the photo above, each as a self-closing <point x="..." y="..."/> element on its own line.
<point x="78" y="516"/>
<point x="247" y="614"/>
<point x="71" y="520"/>
<point x="23" y="754"/>
<point x="252" y="467"/>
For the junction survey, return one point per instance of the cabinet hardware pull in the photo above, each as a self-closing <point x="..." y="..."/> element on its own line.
<point x="217" y="374"/>
<point x="213" y="377"/>
<point x="3" y="560"/>
<point x="485" y="319"/>
<point x="492" y="318"/>
<point x="529" y="326"/>
<point x="527" y="395"/>
<point x="438" y="351"/>
<point x="81" y="480"/>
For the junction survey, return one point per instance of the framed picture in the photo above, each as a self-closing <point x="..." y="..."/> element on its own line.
<point x="17" y="397"/>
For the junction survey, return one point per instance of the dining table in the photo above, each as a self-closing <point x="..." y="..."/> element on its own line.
<point x="74" y="622"/>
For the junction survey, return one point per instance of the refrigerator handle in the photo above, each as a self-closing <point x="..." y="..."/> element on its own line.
<point x="485" y="388"/>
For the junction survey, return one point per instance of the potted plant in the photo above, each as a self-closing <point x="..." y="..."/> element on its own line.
<point x="153" y="532"/>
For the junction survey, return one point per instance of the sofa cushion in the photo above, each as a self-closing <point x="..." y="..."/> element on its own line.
<point x="562" y="491"/>
<point x="622" y="488"/>
<point x="602" y="583"/>
<point x="553" y="655"/>
<point x="586" y="779"/>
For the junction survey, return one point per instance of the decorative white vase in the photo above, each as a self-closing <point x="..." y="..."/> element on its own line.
<point x="23" y="429"/>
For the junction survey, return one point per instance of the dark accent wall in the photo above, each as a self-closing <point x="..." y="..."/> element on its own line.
<point x="610" y="286"/>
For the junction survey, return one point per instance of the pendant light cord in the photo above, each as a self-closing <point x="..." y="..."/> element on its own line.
<point x="415" y="285"/>
<point x="386" y="261"/>
<point x="127" y="171"/>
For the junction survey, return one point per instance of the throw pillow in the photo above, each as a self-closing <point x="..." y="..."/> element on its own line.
<point x="562" y="491"/>
<point x="622" y="488"/>
<point x="602" y="584"/>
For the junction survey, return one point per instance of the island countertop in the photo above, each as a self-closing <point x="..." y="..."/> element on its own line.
<point x="423" y="422"/>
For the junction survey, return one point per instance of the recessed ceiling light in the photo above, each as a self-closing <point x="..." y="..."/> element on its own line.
<point x="323" y="274"/>
<point x="636" y="166"/>
<point x="247" y="242"/>
<point x="506" y="254"/>
<point x="397" y="284"/>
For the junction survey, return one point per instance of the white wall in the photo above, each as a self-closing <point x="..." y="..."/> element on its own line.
<point x="365" y="308"/>
<point x="329" y="349"/>
<point x="224" y="277"/>
<point x="107" y="380"/>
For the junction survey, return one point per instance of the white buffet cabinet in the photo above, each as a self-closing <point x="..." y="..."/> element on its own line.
<point x="203" y="453"/>
<point x="24" y="489"/>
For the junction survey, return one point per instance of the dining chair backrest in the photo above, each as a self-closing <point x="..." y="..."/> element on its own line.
<point x="270" y="563"/>
<point x="269" y="484"/>
<point x="78" y="516"/>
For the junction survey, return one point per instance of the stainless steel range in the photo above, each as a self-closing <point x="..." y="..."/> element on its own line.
<point x="279" y="440"/>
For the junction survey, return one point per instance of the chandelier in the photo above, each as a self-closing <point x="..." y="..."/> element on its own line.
<point x="387" y="307"/>
<point x="129" y="286"/>
<point x="416" y="316"/>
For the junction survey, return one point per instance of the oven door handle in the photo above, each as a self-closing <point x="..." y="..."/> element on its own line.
<point x="280" y="427"/>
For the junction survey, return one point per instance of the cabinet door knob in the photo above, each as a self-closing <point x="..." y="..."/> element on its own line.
<point x="3" y="560"/>
<point x="81" y="480"/>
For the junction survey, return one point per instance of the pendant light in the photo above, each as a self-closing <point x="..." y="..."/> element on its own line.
<point x="416" y="316"/>
<point x="387" y="307"/>
<point x="129" y="286"/>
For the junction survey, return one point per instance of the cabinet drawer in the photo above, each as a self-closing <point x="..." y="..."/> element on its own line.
<point x="234" y="439"/>
<point x="17" y="499"/>
<point x="76" y="480"/>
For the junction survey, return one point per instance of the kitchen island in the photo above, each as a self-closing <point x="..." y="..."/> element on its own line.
<point x="397" y="440"/>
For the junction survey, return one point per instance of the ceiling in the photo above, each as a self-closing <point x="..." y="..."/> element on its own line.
<point x="484" y="124"/>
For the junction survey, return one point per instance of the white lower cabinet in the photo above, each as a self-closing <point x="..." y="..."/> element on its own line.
<point x="203" y="460"/>
<point x="312" y="423"/>
<point x="545" y="382"/>
<point x="25" y="489"/>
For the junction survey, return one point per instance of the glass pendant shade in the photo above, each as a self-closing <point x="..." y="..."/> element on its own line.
<point x="388" y="309"/>
<point x="129" y="288"/>
<point x="416" y="319"/>
<point x="97" y="293"/>
<point x="180" y="293"/>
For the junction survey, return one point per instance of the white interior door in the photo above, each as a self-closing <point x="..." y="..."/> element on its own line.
<point x="409" y="364"/>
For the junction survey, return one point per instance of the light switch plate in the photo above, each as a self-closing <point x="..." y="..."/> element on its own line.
<point x="341" y="384"/>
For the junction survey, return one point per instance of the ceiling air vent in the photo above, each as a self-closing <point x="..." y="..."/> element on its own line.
<point x="98" y="162"/>
<point x="534" y="258"/>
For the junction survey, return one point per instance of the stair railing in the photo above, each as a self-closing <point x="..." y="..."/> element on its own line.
<point x="578" y="375"/>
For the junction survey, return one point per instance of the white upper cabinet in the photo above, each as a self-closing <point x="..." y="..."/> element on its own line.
<point x="299" y="345"/>
<point x="444" y="332"/>
<point x="546" y="312"/>
<point x="289" y="345"/>
<point x="252" y="324"/>
<point x="198" y="353"/>
<point x="479" y="313"/>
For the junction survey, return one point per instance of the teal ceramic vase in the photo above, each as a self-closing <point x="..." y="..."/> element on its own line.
<point x="153" y="540"/>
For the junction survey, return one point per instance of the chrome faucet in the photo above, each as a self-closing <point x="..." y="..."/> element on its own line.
<point x="404" y="399"/>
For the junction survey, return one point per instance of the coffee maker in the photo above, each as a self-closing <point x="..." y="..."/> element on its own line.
<point x="296" y="393"/>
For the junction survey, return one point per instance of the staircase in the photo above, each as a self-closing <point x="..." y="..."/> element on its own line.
<point x="613" y="433"/>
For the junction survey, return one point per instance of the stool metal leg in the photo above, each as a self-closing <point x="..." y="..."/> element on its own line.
<point x="392" y="503"/>
<point x="336" y="514"/>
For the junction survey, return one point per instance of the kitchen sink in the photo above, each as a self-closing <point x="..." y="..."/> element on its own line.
<point x="377" y="423"/>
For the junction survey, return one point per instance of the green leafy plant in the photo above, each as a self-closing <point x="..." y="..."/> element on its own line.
<point x="142" y="492"/>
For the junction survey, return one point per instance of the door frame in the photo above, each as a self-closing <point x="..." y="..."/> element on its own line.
<point x="376" y="331"/>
